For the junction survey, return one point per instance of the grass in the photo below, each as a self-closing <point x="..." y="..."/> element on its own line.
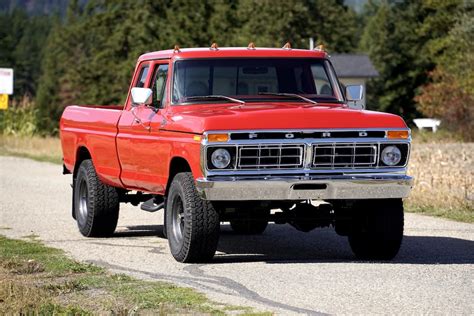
<point x="444" y="180"/>
<point x="442" y="136"/>
<point x="34" y="147"/>
<point x="35" y="279"/>
<point x="465" y="215"/>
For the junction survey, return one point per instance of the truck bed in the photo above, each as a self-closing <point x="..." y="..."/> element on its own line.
<point x="93" y="127"/>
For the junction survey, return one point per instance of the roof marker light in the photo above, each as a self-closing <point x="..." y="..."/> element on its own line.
<point x="320" y="47"/>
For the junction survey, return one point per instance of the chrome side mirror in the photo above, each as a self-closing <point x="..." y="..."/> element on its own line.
<point x="355" y="95"/>
<point x="141" y="96"/>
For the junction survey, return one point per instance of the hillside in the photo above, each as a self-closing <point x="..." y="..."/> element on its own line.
<point x="36" y="7"/>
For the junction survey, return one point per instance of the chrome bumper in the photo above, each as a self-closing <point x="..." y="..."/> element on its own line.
<point x="374" y="186"/>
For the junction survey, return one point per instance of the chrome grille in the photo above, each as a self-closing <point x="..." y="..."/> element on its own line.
<point x="344" y="155"/>
<point x="273" y="156"/>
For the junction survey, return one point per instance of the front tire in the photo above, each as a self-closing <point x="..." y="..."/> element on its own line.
<point x="192" y="223"/>
<point x="378" y="229"/>
<point x="96" y="205"/>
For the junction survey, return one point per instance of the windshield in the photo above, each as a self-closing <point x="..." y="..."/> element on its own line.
<point x="255" y="79"/>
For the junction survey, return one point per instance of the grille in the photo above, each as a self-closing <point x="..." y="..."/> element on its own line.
<point x="270" y="156"/>
<point x="340" y="155"/>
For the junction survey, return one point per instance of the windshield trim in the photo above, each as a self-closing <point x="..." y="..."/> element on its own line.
<point x="339" y="98"/>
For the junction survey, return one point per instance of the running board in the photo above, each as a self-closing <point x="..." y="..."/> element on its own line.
<point x="151" y="205"/>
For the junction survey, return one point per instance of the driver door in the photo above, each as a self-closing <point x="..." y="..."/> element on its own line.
<point x="138" y="145"/>
<point x="149" y="147"/>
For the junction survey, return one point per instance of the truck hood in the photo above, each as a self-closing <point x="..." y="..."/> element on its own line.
<point x="212" y="117"/>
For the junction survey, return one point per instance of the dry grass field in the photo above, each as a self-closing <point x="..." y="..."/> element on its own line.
<point x="38" y="148"/>
<point x="444" y="180"/>
<point x="443" y="171"/>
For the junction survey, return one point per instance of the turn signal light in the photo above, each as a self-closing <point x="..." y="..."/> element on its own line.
<point x="398" y="134"/>
<point x="218" y="138"/>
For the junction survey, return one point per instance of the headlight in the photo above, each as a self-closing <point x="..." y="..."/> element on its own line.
<point x="391" y="155"/>
<point x="221" y="158"/>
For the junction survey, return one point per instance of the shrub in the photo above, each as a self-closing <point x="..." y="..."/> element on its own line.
<point x="446" y="99"/>
<point x="20" y="118"/>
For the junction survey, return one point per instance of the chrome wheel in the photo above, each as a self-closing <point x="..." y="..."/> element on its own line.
<point x="82" y="206"/>
<point x="177" y="218"/>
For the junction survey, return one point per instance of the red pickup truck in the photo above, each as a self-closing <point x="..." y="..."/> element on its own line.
<point x="241" y="135"/>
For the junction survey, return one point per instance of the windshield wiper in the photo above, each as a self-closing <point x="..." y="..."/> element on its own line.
<point x="212" y="97"/>
<point x="291" y="95"/>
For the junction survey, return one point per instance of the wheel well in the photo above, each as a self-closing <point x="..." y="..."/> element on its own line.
<point x="81" y="155"/>
<point x="177" y="165"/>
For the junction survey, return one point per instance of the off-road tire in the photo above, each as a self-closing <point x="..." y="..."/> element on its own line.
<point x="250" y="226"/>
<point x="378" y="229"/>
<point x="192" y="223"/>
<point x="96" y="205"/>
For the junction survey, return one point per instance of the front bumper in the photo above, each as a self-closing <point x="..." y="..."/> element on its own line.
<point x="373" y="186"/>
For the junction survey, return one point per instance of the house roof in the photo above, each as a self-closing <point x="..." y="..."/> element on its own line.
<point x="353" y="66"/>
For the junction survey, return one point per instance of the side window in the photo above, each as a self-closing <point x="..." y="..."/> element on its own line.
<point x="159" y="85"/>
<point x="142" y="77"/>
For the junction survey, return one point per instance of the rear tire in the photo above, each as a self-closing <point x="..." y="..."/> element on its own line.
<point x="96" y="205"/>
<point x="192" y="223"/>
<point x="378" y="229"/>
<point x="165" y="232"/>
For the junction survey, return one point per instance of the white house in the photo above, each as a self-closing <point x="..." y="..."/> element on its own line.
<point x="353" y="69"/>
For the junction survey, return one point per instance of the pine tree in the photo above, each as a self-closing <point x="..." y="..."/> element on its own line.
<point x="391" y="38"/>
<point x="90" y="57"/>
<point x="405" y="41"/>
<point x="272" y="23"/>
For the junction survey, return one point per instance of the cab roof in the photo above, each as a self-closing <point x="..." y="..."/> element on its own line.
<point x="232" y="52"/>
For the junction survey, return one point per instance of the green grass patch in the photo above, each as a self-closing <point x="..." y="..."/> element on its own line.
<point x="460" y="215"/>
<point x="35" y="279"/>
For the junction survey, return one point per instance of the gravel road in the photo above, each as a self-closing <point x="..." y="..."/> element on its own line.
<point x="283" y="271"/>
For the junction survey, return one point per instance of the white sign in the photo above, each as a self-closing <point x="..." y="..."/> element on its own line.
<point x="6" y="81"/>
